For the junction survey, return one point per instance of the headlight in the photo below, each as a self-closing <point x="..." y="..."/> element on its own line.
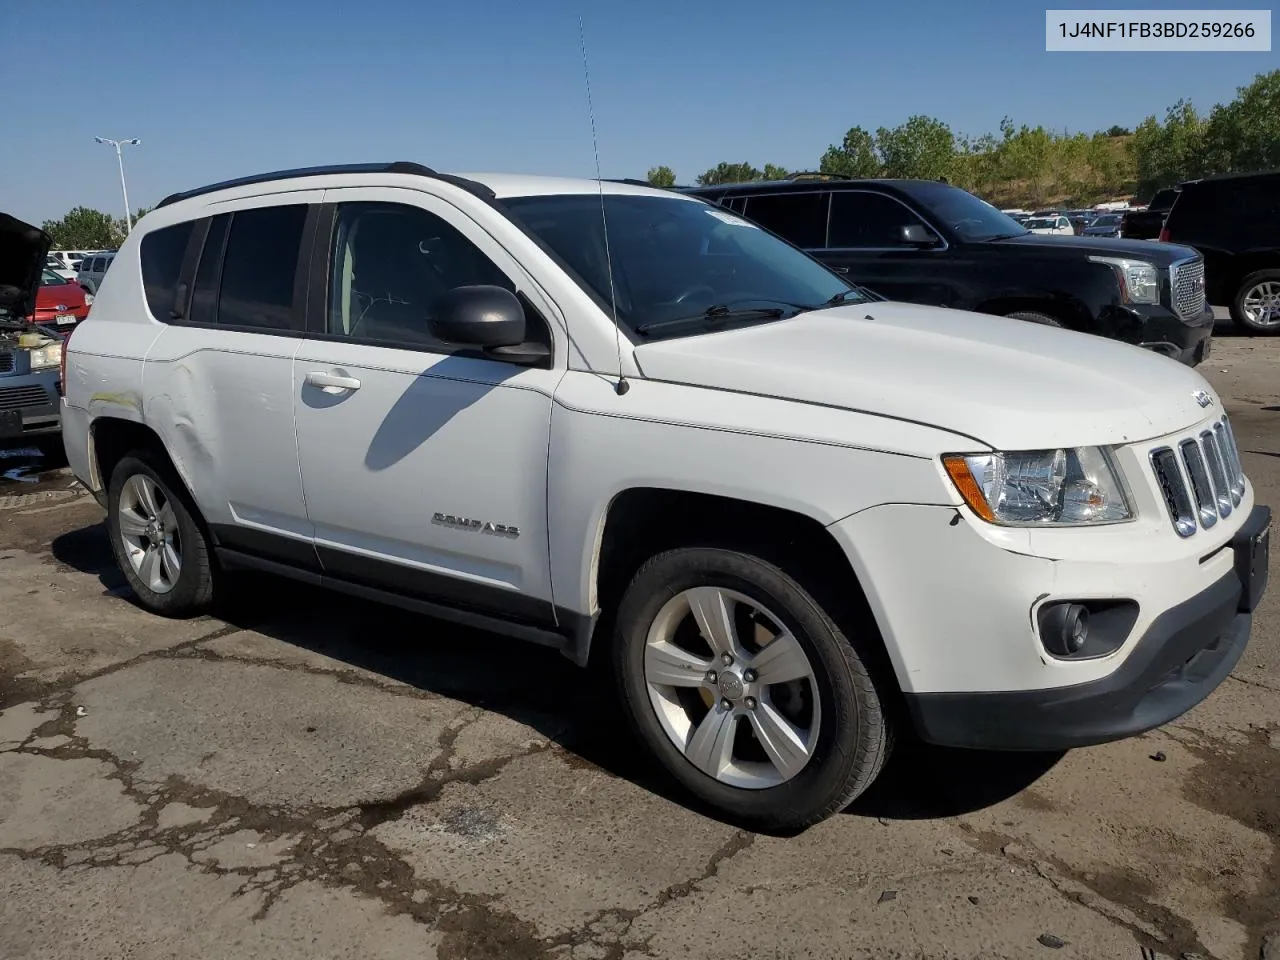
<point x="1139" y="280"/>
<point x="1037" y="487"/>
<point x="88" y="299"/>
<point x="46" y="357"/>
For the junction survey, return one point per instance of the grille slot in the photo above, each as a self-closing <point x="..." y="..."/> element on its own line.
<point x="15" y="398"/>
<point x="1165" y="464"/>
<point x="1186" y="283"/>
<point x="1235" y="469"/>
<point x="6" y="361"/>
<point x="1218" y="472"/>
<point x="1200" y="485"/>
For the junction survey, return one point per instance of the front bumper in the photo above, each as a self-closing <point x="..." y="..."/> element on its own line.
<point x="29" y="404"/>
<point x="1186" y="341"/>
<point x="1180" y="659"/>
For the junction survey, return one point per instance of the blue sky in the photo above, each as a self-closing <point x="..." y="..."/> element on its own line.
<point x="222" y="89"/>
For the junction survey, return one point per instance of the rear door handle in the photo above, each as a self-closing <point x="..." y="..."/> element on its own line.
<point x="331" y="382"/>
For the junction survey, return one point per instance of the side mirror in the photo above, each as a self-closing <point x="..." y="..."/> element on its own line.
<point x="918" y="235"/>
<point x="479" y="316"/>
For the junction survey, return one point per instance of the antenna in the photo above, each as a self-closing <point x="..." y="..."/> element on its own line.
<point x="621" y="386"/>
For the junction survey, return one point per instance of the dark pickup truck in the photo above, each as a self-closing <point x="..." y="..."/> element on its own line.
<point x="927" y="242"/>
<point x="1147" y="224"/>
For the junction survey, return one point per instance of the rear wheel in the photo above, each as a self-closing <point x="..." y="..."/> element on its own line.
<point x="746" y="690"/>
<point x="157" y="543"/>
<point x="1256" y="306"/>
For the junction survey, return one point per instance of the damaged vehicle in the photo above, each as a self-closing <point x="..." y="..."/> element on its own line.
<point x="30" y="343"/>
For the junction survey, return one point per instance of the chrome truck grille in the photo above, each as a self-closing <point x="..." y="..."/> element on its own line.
<point x="1186" y="284"/>
<point x="1200" y="477"/>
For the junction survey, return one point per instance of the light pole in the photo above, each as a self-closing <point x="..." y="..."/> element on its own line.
<point x="128" y="216"/>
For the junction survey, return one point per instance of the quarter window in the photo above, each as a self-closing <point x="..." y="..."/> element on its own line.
<point x="161" y="254"/>
<point x="798" y="217"/>
<point x="390" y="266"/>
<point x="860" y="218"/>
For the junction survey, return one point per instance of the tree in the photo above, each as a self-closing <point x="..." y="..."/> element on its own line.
<point x="1244" y="134"/>
<point x="729" y="173"/>
<point x="84" y="229"/>
<point x="1119" y="131"/>
<point x="661" y="176"/>
<point x="774" y="172"/>
<point x="1170" y="152"/>
<point x="922" y="148"/>
<point x="855" y="157"/>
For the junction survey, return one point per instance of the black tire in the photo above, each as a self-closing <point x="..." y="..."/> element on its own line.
<point x="1032" y="316"/>
<point x="1238" y="315"/>
<point x="854" y="736"/>
<point x="193" y="591"/>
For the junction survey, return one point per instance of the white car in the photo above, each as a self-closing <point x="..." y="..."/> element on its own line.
<point x="1049" y="225"/>
<point x="59" y="267"/>
<point x="789" y="515"/>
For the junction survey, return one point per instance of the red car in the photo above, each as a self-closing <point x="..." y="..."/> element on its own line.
<point x="60" y="302"/>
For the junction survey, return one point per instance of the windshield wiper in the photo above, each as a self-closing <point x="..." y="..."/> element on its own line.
<point x="714" y="316"/>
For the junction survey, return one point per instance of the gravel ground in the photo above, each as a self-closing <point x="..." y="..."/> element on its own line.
<point x="315" y="777"/>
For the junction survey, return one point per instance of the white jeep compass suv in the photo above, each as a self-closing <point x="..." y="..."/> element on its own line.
<point x="619" y="420"/>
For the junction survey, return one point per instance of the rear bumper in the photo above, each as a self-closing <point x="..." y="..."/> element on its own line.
<point x="29" y="404"/>
<point x="1183" y="656"/>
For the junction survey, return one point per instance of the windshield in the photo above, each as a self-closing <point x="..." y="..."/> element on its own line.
<point x="1111" y="220"/>
<point x="676" y="258"/>
<point x="50" y="279"/>
<point x="968" y="217"/>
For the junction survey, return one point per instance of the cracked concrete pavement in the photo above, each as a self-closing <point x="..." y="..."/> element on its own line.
<point x="311" y="776"/>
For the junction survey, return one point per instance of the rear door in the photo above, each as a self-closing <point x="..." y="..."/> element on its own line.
<point x="219" y="380"/>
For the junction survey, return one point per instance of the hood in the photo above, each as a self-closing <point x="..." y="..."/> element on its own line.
<point x="1159" y="254"/>
<point x="1011" y="384"/>
<point x="50" y="296"/>
<point x="22" y="252"/>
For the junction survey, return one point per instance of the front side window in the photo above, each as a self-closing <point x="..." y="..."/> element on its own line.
<point x="675" y="259"/>
<point x="798" y="217"/>
<point x="390" y="266"/>
<point x="862" y="219"/>
<point x="161" y="254"/>
<point x="969" y="218"/>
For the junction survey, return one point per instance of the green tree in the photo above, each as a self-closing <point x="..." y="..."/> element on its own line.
<point x="1244" y="134"/>
<point x="774" y="172"/>
<point x="855" y="157"/>
<point x="84" y="229"/>
<point x="1167" y="153"/>
<point x="661" y="176"/>
<point x="922" y="148"/>
<point x="1118" y="131"/>
<point x="729" y="173"/>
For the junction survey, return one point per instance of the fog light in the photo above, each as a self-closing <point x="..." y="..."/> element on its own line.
<point x="1064" y="628"/>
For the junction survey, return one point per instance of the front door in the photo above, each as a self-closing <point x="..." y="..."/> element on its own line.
<point x="424" y="467"/>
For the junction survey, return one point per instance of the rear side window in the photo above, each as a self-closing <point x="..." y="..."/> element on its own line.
<point x="247" y="279"/>
<point x="162" y="253"/>
<point x="798" y="217"/>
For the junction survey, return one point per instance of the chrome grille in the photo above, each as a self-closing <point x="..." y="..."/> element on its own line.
<point x="1205" y="467"/>
<point x="6" y="361"/>
<point x="13" y="398"/>
<point x="1186" y="283"/>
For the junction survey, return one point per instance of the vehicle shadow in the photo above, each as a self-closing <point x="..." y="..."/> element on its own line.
<point x="577" y="710"/>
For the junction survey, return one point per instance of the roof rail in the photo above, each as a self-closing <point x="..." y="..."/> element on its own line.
<point x="633" y="181"/>
<point x="398" y="166"/>
<point x="816" y="175"/>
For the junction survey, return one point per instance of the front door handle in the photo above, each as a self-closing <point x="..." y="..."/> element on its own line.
<point x="331" y="382"/>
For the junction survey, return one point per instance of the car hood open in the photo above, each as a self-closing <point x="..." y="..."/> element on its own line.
<point x="22" y="252"/>
<point x="1011" y="384"/>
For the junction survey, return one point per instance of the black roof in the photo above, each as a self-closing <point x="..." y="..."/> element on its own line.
<point x="1218" y="177"/>
<point x="397" y="166"/>
<point x="805" y="182"/>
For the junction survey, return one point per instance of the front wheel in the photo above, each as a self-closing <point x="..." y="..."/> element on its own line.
<point x="157" y="542"/>
<point x="746" y="690"/>
<point x="1256" y="305"/>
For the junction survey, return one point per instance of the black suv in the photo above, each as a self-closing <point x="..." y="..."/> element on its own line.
<point x="1234" y="221"/>
<point x="928" y="242"/>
